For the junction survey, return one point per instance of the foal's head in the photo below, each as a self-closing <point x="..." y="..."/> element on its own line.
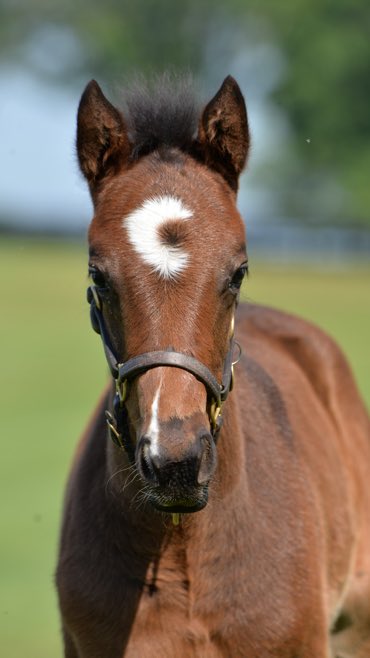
<point x="167" y="257"/>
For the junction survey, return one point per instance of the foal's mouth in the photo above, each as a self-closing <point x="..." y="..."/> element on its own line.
<point x="177" y="486"/>
<point x="172" y="503"/>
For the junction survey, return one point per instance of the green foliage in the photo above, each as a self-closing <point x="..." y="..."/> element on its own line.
<point x="116" y="37"/>
<point x="323" y="172"/>
<point x="326" y="93"/>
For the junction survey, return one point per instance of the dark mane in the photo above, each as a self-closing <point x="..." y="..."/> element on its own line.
<point x="161" y="113"/>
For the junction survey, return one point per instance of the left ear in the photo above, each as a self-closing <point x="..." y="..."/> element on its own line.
<point x="102" y="139"/>
<point x="223" y="132"/>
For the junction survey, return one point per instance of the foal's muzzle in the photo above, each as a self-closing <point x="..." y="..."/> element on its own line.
<point x="177" y="484"/>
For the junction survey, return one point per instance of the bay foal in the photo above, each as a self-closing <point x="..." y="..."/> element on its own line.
<point x="209" y="527"/>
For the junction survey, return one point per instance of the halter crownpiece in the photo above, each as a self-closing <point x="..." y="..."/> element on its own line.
<point x="123" y="373"/>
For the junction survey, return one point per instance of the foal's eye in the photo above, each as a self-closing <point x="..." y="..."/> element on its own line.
<point x="237" y="278"/>
<point x="97" y="277"/>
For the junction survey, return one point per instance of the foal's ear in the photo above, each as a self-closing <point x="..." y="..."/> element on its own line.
<point x="223" y="132"/>
<point x="102" y="142"/>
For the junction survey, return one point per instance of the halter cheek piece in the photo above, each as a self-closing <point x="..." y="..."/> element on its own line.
<point x="123" y="373"/>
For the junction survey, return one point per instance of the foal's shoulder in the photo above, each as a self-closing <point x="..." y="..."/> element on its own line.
<point x="271" y="324"/>
<point x="265" y="331"/>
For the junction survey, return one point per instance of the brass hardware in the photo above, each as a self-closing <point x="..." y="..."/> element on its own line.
<point x="214" y="413"/>
<point x="117" y="436"/>
<point x="232" y="378"/>
<point x="239" y="355"/>
<point x="232" y="327"/>
<point x="121" y="388"/>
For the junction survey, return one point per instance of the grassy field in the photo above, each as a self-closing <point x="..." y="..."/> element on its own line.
<point x="52" y="368"/>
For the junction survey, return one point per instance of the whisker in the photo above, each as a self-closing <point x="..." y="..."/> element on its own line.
<point x="136" y="496"/>
<point x="130" y="469"/>
<point x="130" y="480"/>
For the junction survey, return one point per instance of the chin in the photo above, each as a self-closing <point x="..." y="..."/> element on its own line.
<point x="176" y="504"/>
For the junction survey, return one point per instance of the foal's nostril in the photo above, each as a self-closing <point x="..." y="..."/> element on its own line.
<point x="146" y="464"/>
<point x="195" y="468"/>
<point x="207" y="462"/>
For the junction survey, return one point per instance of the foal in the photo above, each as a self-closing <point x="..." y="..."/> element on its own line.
<point x="215" y="524"/>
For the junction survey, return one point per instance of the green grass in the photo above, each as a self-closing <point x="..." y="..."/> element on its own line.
<point x="52" y="368"/>
<point x="337" y="299"/>
<point x="51" y="371"/>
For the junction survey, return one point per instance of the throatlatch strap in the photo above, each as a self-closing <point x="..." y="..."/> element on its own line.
<point x="98" y="324"/>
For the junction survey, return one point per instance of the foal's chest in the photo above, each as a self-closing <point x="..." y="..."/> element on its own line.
<point x="187" y="614"/>
<point x="172" y="620"/>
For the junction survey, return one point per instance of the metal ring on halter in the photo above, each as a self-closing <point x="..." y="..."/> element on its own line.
<point x="239" y="354"/>
<point x="233" y="363"/>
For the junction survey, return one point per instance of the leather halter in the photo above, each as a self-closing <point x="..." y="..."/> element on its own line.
<point x="123" y="373"/>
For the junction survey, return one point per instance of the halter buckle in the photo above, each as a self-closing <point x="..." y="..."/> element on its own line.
<point x="121" y="389"/>
<point x="114" y="434"/>
<point x="214" y="415"/>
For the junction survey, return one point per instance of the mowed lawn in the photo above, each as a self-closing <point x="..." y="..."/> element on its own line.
<point x="52" y="368"/>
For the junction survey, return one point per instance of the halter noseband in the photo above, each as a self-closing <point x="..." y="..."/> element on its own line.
<point x="122" y="373"/>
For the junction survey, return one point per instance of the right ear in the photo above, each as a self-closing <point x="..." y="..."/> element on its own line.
<point x="224" y="134"/>
<point x="102" y="142"/>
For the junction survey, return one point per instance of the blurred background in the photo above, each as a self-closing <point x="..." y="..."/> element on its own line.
<point x="303" y="67"/>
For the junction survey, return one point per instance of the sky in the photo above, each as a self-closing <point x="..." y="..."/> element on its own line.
<point x="40" y="183"/>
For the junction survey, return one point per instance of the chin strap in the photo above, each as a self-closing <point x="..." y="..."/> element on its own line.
<point x="123" y="373"/>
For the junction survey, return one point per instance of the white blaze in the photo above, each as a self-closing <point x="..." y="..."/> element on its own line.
<point x="153" y="429"/>
<point x="143" y="226"/>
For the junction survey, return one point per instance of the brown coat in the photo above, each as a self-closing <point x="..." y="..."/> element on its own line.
<point x="277" y="563"/>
